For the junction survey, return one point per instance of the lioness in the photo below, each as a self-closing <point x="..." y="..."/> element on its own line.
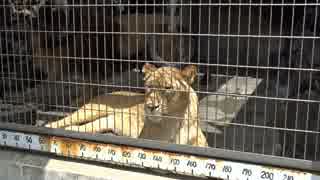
<point x="168" y="111"/>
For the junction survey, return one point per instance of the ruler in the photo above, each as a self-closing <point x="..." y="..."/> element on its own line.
<point x="144" y="158"/>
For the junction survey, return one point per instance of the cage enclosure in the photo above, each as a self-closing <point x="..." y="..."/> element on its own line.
<point x="237" y="80"/>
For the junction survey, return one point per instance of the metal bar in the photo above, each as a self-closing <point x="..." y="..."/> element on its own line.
<point x="313" y="166"/>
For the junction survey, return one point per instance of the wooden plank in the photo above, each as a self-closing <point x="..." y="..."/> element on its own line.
<point x="219" y="109"/>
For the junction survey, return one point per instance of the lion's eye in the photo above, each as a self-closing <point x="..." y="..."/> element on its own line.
<point x="167" y="88"/>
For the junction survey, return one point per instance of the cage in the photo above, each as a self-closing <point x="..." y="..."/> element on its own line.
<point x="222" y="89"/>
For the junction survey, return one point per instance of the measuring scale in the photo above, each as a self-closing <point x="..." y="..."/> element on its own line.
<point x="144" y="158"/>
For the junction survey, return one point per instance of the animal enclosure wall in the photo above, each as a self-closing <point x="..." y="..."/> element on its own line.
<point x="228" y="75"/>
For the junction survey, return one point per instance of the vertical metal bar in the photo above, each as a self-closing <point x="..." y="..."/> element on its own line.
<point x="299" y="79"/>
<point x="27" y="56"/>
<point x="99" y="61"/>
<point x="6" y="56"/>
<point x="137" y="60"/>
<point x="267" y="79"/>
<point x="113" y="40"/>
<point x="290" y="62"/>
<point x="289" y="75"/>
<point x="105" y="44"/>
<point x="128" y="79"/>
<point x="123" y="33"/>
<point x="54" y="56"/>
<point x="217" y="68"/>
<point x="90" y="60"/>
<point x="3" y="55"/>
<point x="208" y="72"/>
<point x="15" y="34"/>
<point x="163" y="29"/>
<point x="83" y="35"/>
<point x="40" y="60"/>
<point x="69" y="57"/>
<point x="278" y="81"/>
<point x="227" y="68"/>
<point x="145" y="31"/>
<point x="31" y="35"/>
<point x="112" y="52"/>
<point x="62" y="34"/>
<point x="10" y="31"/>
<point x="237" y="63"/>
<point x="310" y="76"/>
<point x="75" y="48"/>
<point x="316" y="153"/>
<point x="47" y="58"/>
<point x="257" y="76"/>
<point x="20" y="56"/>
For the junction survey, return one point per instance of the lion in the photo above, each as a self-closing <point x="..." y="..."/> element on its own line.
<point x="167" y="111"/>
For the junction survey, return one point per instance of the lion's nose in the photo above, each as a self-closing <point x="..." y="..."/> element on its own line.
<point x="152" y="108"/>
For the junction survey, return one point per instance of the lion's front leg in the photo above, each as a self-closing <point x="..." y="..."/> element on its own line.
<point x="118" y="122"/>
<point x="105" y="124"/>
<point x="191" y="136"/>
<point x="87" y="113"/>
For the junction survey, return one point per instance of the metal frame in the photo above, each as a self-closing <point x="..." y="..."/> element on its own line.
<point x="266" y="160"/>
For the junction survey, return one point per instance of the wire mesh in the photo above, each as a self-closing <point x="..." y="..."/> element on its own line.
<point x="237" y="75"/>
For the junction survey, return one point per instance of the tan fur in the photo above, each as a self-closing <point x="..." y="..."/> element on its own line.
<point x="119" y="112"/>
<point x="168" y="111"/>
<point x="170" y="91"/>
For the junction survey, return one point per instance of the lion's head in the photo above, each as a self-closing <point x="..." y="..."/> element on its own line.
<point x="167" y="90"/>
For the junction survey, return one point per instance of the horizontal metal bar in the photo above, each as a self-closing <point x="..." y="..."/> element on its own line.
<point x="178" y="4"/>
<point x="312" y="166"/>
<point x="73" y="32"/>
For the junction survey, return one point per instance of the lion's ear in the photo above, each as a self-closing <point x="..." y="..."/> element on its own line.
<point x="189" y="73"/>
<point x="148" y="68"/>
